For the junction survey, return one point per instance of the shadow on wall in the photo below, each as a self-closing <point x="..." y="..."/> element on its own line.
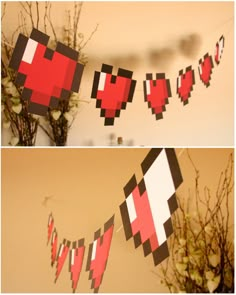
<point x="113" y="140"/>
<point x="187" y="46"/>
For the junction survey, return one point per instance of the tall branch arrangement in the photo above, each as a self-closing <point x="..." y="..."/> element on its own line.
<point x="201" y="247"/>
<point x="56" y="123"/>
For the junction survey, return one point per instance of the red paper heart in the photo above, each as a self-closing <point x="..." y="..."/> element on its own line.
<point x="143" y="223"/>
<point x="112" y="92"/>
<point x="156" y="93"/>
<point x="54" y="246"/>
<point x="146" y="212"/>
<point x="47" y="76"/>
<point x="98" y="254"/>
<point x="61" y="256"/>
<point x="185" y="82"/>
<point x="205" y="69"/>
<point x="76" y="262"/>
<point x="219" y="49"/>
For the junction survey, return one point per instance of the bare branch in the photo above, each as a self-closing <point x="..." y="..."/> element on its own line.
<point x="37" y="13"/>
<point x="45" y="17"/>
<point x="50" y="22"/>
<point x="90" y="37"/>
<point x="3" y="10"/>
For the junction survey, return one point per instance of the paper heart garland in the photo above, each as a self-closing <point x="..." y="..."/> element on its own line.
<point x="205" y="69"/>
<point x="185" y="82"/>
<point x="46" y="75"/>
<point x="97" y="256"/>
<point x="156" y="93"/>
<point x="112" y="92"/>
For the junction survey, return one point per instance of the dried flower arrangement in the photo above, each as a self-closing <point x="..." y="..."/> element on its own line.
<point x="56" y="123"/>
<point x="201" y="247"/>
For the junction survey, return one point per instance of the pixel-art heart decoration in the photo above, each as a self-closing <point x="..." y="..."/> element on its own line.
<point x="146" y="212"/>
<point x="185" y="82"/>
<point x="112" y="92"/>
<point x="76" y="262"/>
<point x="50" y="226"/>
<point x="156" y="93"/>
<point x="205" y="69"/>
<point x="47" y="75"/>
<point x="98" y="254"/>
<point x="54" y="247"/>
<point x="146" y="215"/>
<point x="61" y="256"/>
<point x="219" y="49"/>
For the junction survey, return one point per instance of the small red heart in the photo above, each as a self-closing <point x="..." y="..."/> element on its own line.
<point x="46" y="75"/>
<point x="61" y="256"/>
<point x="185" y="82"/>
<point x="205" y="69"/>
<point x="156" y="93"/>
<point x="112" y="92"/>
<point x="219" y="49"/>
<point x="98" y="254"/>
<point x="76" y="262"/>
<point x="54" y="246"/>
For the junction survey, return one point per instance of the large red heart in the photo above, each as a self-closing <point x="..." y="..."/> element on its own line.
<point x="185" y="82"/>
<point x="46" y="75"/>
<point x="219" y="49"/>
<point x="156" y="93"/>
<point x="205" y="69"/>
<point x="146" y="212"/>
<point x="112" y="92"/>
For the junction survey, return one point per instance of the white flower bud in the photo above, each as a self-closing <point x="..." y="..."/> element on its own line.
<point x="214" y="259"/>
<point x="182" y="242"/>
<point x="6" y="124"/>
<point x="14" y="140"/>
<point x="68" y="117"/>
<point x="209" y="275"/>
<point x="5" y="81"/>
<point x="56" y="114"/>
<point x="17" y="108"/>
<point x="213" y="284"/>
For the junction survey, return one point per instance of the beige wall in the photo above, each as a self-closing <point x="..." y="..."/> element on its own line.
<point x="87" y="189"/>
<point x="132" y="29"/>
